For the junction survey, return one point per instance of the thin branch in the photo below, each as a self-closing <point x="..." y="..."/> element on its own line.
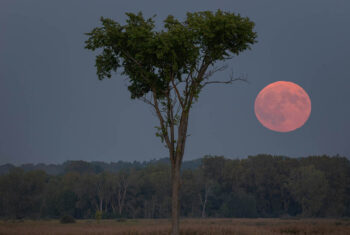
<point x="170" y="117"/>
<point x="132" y="58"/>
<point x="173" y="98"/>
<point x="230" y="81"/>
<point x="185" y="91"/>
<point x="196" y="81"/>
<point x="139" y="65"/>
<point x="214" y="70"/>
<point x="177" y="92"/>
<point x="225" y="82"/>
<point x="177" y="111"/>
<point x="147" y="101"/>
<point x="161" y="119"/>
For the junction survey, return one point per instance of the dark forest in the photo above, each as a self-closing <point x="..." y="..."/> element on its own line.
<point x="213" y="186"/>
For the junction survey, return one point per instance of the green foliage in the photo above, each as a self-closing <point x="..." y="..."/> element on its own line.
<point x="21" y="193"/>
<point x="66" y="202"/>
<point x="221" y="33"/>
<point x="151" y="58"/>
<point x="309" y="187"/>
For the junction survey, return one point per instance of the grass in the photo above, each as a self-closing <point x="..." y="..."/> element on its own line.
<point x="188" y="227"/>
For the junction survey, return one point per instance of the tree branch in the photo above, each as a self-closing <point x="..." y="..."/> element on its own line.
<point x="161" y="119"/>
<point x="138" y="64"/>
<point x="214" y="70"/>
<point x="170" y="117"/>
<point x="177" y="92"/>
<point x="230" y="81"/>
<point x="196" y="81"/>
<point x="147" y="101"/>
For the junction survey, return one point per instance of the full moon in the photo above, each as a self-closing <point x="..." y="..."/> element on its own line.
<point x="282" y="106"/>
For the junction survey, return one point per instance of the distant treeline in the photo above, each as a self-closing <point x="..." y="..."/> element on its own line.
<point x="92" y="167"/>
<point x="214" y="186"/>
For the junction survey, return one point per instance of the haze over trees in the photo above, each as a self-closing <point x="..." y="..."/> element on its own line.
<point x="214" y="186"/>
<point x="168" y="69"/>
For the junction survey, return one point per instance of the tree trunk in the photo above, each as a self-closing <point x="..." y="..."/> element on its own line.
<point x="175" y="172"/>
<point x="204" y="201"/>
<point x="204" y="206"/>
<point x="175" y="210"/>
<point x="122" y="194"/>
<point x="101" y="205"/>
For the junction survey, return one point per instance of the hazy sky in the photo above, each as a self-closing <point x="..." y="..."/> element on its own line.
<point x="53" y="108"/>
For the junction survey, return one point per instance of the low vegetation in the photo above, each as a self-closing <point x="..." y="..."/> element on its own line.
<point x="188" y="227"/>
<point x="67" y="219"/>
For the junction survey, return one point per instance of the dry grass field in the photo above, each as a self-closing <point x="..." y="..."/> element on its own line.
<point x="188" y="226"/>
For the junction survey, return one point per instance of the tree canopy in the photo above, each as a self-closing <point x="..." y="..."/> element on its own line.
<point x="153" y="60"/>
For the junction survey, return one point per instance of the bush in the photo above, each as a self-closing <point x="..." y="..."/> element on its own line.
<point x="286" y="216"/>
<point x="67" y="219"/>
<point x="98" y="215"/>
<point x="121" y="220"/>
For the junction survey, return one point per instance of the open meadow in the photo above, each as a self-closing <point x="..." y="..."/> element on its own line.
<point x="188" y="226"/>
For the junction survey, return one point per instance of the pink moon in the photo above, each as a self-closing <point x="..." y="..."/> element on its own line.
<point x="282" y="106"/>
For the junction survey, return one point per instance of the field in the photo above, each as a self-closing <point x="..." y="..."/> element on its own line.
<point x="188" y="226"/>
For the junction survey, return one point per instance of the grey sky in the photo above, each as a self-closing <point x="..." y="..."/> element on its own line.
<point x="53" y="108"/>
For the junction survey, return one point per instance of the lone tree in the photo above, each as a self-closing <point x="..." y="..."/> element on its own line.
<point x="169" y="68"/>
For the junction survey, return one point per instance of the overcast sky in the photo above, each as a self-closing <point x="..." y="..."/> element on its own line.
<point x="53" y="108"/>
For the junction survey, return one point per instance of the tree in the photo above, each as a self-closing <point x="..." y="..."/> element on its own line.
<point x="119" y="189"/>
<point x="239" y="204"/>
<point x="309" y="187"/>
<point x="169" y="68"/>
<point x="22" y="192"/>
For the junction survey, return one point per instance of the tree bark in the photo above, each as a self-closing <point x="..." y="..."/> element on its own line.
<point x="176" y="160"/>
<point x="175" y="174"/>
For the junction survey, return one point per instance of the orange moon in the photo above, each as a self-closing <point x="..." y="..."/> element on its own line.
<point x="282" y="106"/>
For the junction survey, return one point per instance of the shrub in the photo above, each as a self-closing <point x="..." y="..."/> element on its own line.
<point x="67" y="219"/>
<point x="121" y="220"/>
<point x="98" y="215"/>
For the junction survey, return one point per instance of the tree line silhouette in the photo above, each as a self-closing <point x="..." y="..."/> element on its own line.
<point x="213" y="186"/>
